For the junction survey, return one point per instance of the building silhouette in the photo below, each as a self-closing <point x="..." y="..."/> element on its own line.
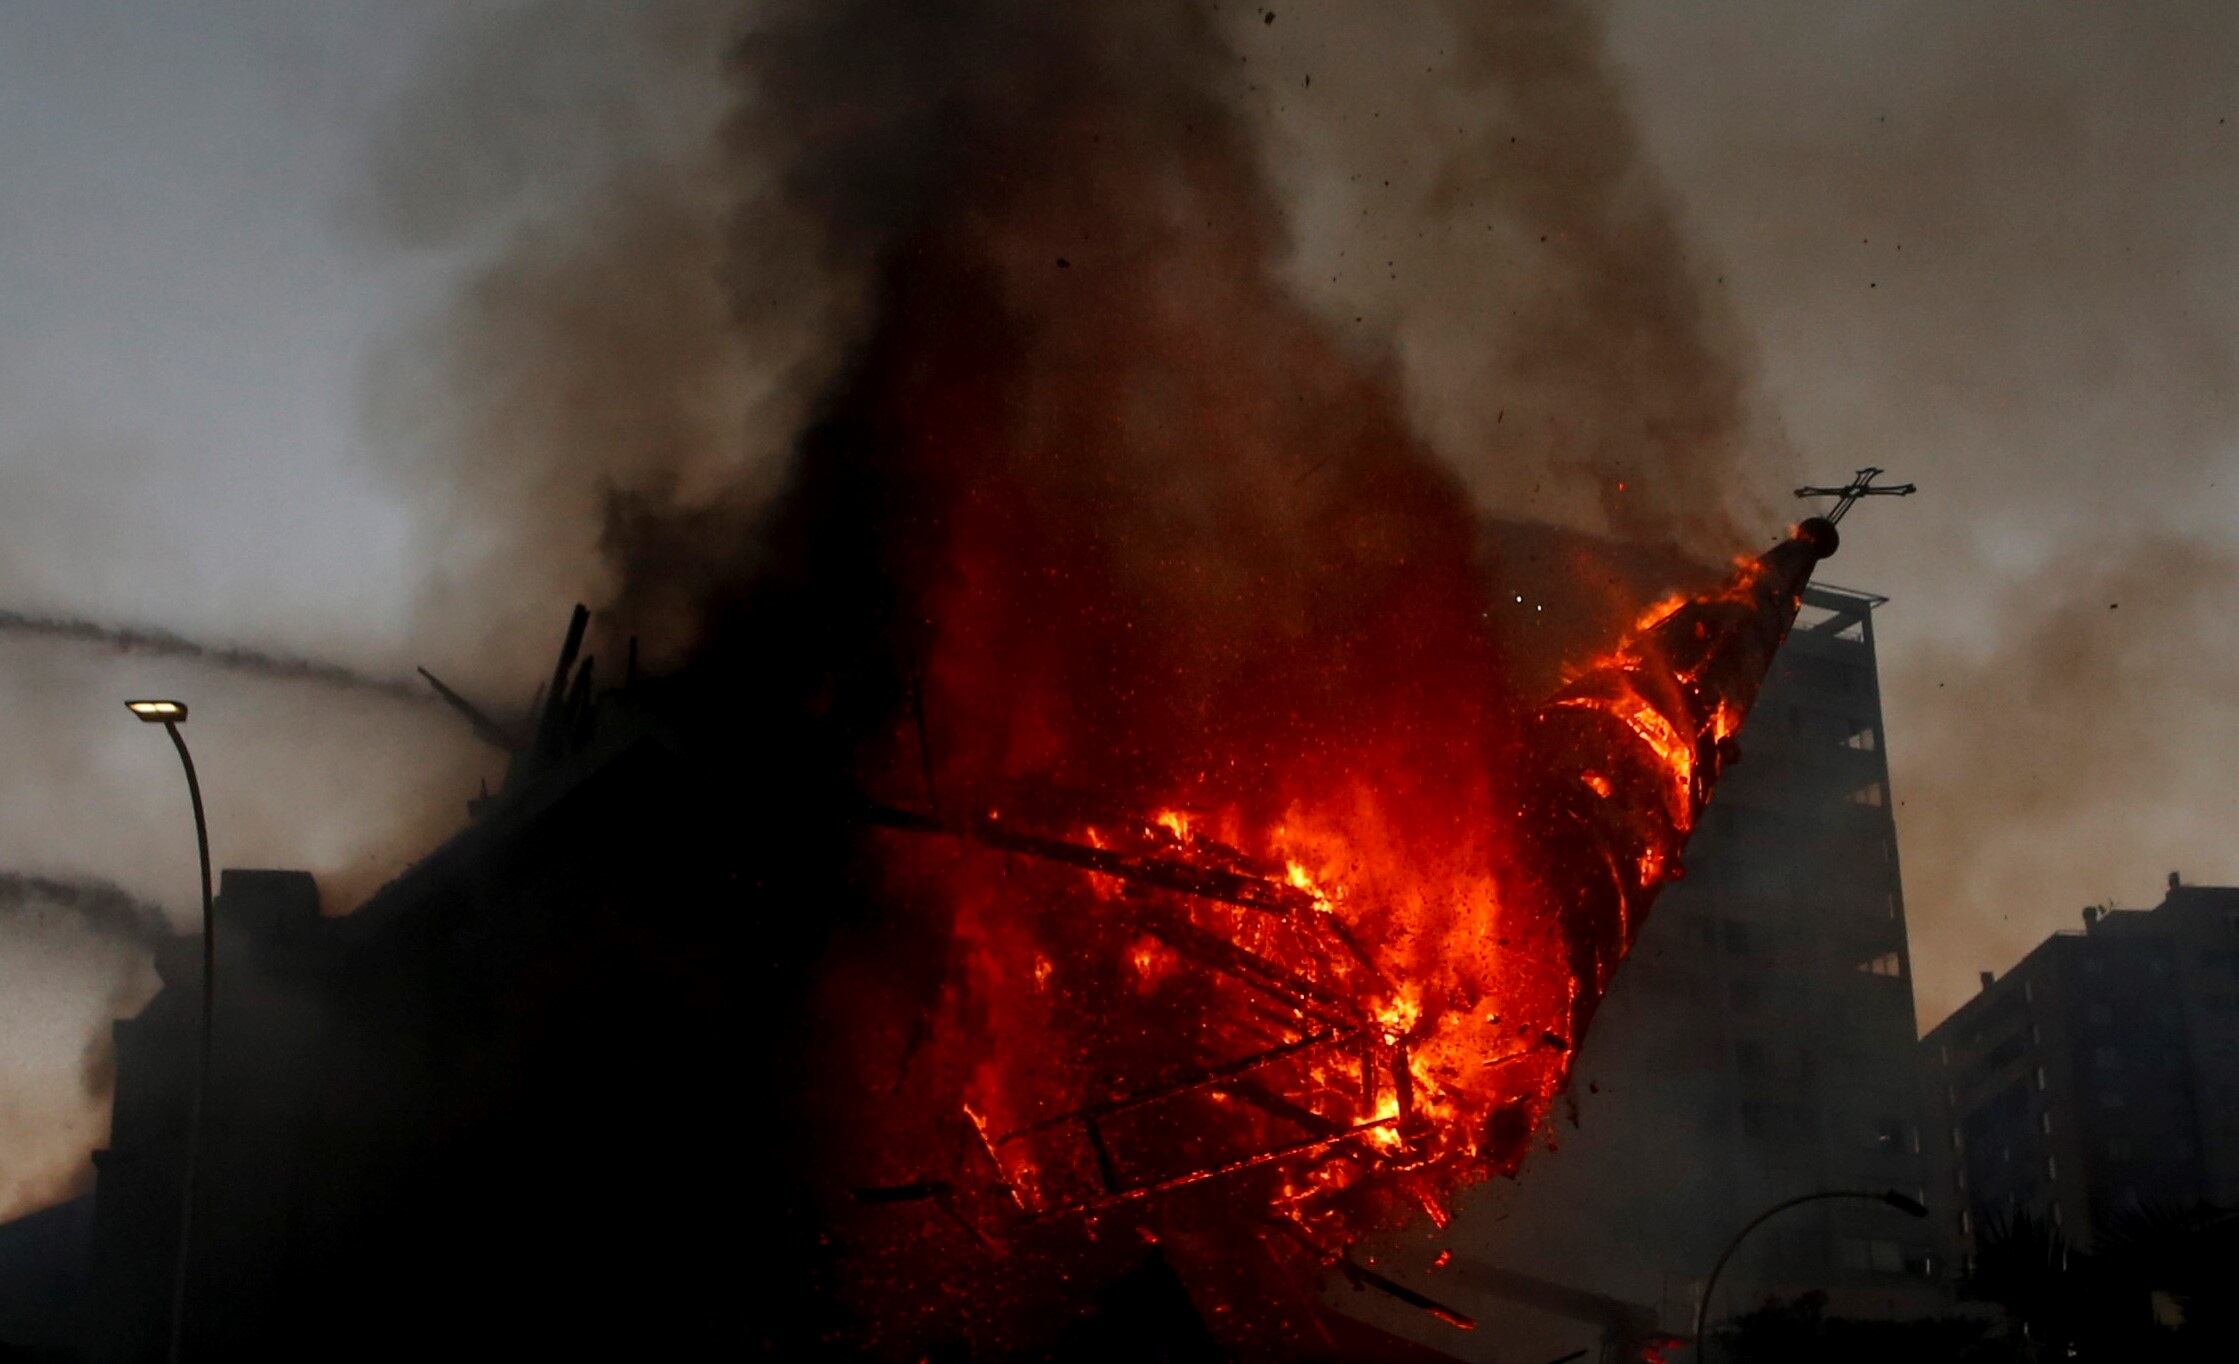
<point x="2100" y="1076"/>
<point x="523" y="1103"/>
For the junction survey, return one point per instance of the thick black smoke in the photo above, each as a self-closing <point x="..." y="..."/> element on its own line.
<point x="607" y="408"/>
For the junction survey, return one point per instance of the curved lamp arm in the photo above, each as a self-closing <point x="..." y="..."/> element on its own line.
<point x="1909" y="1206"/>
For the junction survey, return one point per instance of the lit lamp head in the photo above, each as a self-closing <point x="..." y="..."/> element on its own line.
<point x="158" y="712"/>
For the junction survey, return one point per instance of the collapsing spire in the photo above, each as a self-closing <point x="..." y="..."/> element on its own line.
<point x="1627" y="753"/>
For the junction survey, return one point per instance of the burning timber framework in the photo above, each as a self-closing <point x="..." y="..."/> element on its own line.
<point x="1624" y="757"/>
<point x="1340" y="1027"/>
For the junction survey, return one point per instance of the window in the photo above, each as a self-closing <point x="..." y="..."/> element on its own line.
<point x="2111" y="1099"/>
<point x="2040" y="1078"/>
<point x="2044" y="1122"/>
<point x="2002" y="1055"/>
<point x="2106" y="1058"/>
<point x="1871" y="1257"/>
<point x="1966" y="1223"/>
<point x="1863" y="740"/>
<point x="2036" y="1037"/>
<point x="1871" y="794"/>
<point x="1778" y="1122"/>
<point x="2052" y="1169"/>
<point x="1886" y="964"/>
<point x="2102" y="1014"/>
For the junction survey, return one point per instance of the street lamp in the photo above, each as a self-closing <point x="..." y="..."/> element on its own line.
<point x="1912" y="1207"/>
<point x="170" y="715"/>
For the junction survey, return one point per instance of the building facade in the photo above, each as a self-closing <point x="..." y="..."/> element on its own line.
<point x="2098" y="1077"/>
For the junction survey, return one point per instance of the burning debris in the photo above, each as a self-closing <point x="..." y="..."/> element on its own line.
<point x="1327" y="1015"/>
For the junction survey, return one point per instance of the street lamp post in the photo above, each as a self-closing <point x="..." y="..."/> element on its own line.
<point x="1909" y="1206"/>
<point x="170" y="715"/>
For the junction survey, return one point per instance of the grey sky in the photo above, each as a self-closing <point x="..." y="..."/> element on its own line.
<point x="185" y="322"/>
<point x="1989" y="246"/>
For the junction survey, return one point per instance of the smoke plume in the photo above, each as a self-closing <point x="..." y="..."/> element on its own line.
<point x="664" y="303"/>
<point x="102" y="908"/>
<point x="75" y="960"/>
<point x="1983" y="246"/>
<point x="2113" y="683"/>
<point x="155" y="643"/>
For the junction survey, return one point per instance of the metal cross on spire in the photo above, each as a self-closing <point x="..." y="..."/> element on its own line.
<point x="1861" y="485"/>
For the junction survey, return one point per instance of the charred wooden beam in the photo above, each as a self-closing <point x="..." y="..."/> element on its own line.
<point x="1207" y="1077"/>
<point x="1221" y="1170"/>
<point x="1216" y="953"/>
<point x="1160" y="873"/>
<point x="552" y="730"/>
<point x="1361" y="1276"/>
<point x="486" y="729"/>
